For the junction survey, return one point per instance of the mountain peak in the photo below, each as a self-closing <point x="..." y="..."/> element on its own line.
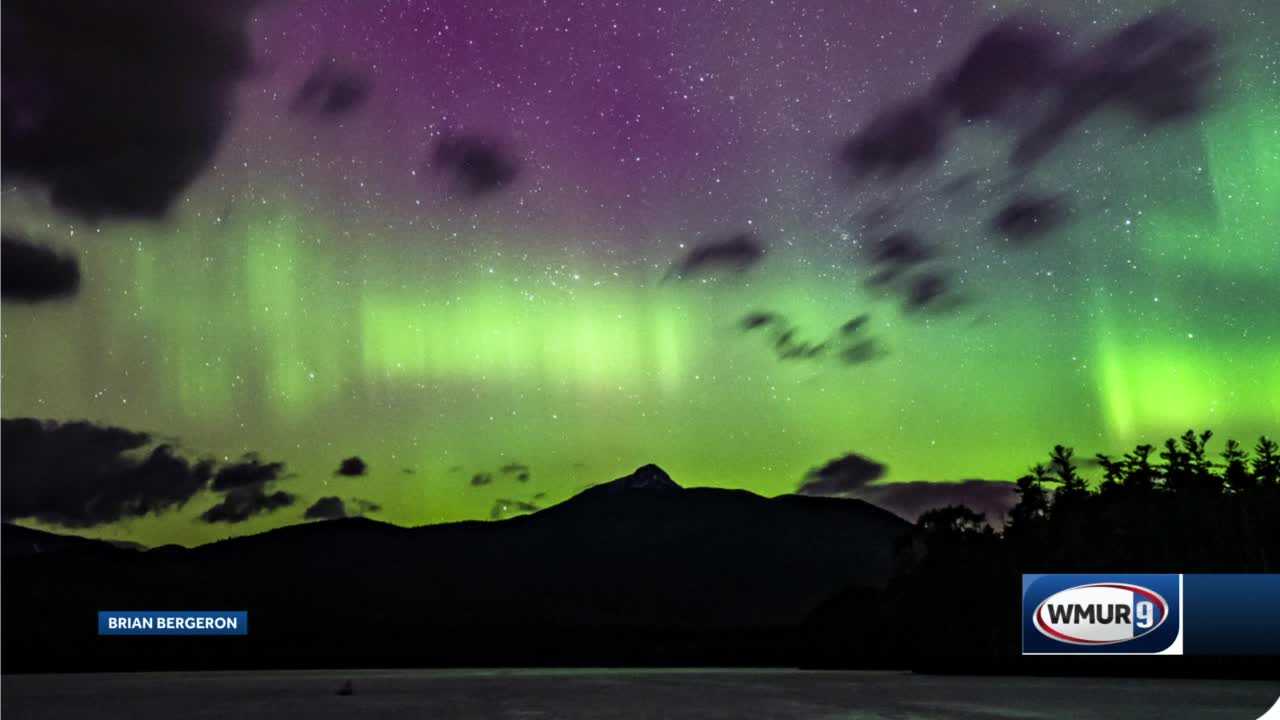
<point x="648" y="478"/>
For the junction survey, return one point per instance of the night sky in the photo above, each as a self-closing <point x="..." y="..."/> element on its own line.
<point x="453" y="240"/>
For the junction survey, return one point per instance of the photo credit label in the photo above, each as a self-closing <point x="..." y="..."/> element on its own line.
<point x="173" y="622"/>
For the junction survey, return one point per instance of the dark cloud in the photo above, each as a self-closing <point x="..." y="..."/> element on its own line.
<point x="78" y="474"/>
<point x="242" y="503"/>
<point x="326" y="508"/>
<point x="478" y="165"/>
<point x="787" y="346"/>
<point x="334" y="507"/>
<point x="248" y="472"/>
<point x="519" y="471"/>
<point x="1159" y="69"/>
<point x="861" y="352"/>
<point x="903" y="138"/>
<point x="736" y="253"/>
<point x="846" y="342"/>
<point x="857" y="476"/>
<point x="352" y="467"/>
<point x="896" y="263"/>
<point x="897" y="254"/>
<point x="1021" y="79"/>
<point x="757" y="320"/>
<point x="1012" y="60"/>
<point x="841" y="476"/>
<point x="117" y="105"/>
<point x="504" y="507"/>
<point x="786" y="343"/>
<point x="331" y="90"/>
<point x="1172" y="69"/>
<point x="961" y="184"/>
<point x="994" y="498"/>
<point x="1029" y="217"/>
<point x="32" y="273"/>
<point x="929" y="291"/>
<point x="855" y="324"/>
<point x="853" y="347"/>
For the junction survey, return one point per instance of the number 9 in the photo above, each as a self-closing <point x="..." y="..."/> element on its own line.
<point x="1145" y="612"/>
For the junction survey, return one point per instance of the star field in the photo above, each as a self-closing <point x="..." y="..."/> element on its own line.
<point x="325" y="289"/>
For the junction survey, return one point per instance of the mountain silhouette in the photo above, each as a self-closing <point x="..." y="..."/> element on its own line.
<point x="649" y="478"/>
<point x="21" y="541"/>
<point x="638" y="569"/>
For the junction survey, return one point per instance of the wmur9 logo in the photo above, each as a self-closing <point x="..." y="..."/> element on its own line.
<point x="1101" y="614"/>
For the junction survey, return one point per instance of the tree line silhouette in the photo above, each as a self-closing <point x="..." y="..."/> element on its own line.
<point x="1175" y="510"/>
<point x="954" y="603"/>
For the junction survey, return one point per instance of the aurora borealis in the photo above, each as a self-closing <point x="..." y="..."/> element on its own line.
<point x="319" y="293"/>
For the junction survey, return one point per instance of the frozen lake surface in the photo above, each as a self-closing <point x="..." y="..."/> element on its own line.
<point x="621" y="695"/>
